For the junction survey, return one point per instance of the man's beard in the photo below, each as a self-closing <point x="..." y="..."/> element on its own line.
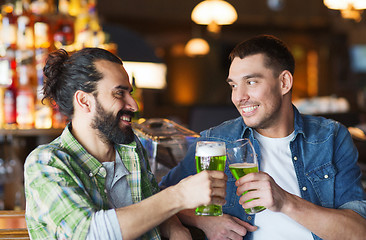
<point x="108" y="126"/>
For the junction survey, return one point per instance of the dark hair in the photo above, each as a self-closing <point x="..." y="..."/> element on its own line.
<point x="65" y="74"/>
<point x="278" y="56"/>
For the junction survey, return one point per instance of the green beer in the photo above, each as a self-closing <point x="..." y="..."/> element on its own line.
<point x="210" y="156"/>
<point x="239" y="170"/>
<point x="216" y="163"/>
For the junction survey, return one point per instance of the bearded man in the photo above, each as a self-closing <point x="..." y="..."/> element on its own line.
<point x="94" y="180"/>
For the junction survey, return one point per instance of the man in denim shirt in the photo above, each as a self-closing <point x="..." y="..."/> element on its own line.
<point x="308" y="181"/>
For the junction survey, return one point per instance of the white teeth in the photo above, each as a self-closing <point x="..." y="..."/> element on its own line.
<point x="249" y="109"/>
<point x="126" y="118"/>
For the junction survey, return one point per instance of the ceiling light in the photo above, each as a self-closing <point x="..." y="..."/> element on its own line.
<point x="214" y="13"/>
<point x="197" y="47"/>
<point x="350" y="9"/>
<point x="344" y="4"/>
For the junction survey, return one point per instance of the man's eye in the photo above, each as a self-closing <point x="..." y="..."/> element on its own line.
<point x="232" y="86"/>
<point x="251" y="82"/>
<point x="120" y="94"/>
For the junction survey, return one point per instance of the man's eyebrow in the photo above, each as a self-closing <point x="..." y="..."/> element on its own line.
<point x="245" y="77"/>
<point x="253" y="75"/>
<point x="121" y="87"/>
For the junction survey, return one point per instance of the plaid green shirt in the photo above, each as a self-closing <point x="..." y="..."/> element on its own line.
<point x="65" y="185"/>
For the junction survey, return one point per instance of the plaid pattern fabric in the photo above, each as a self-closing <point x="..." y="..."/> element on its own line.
<point x="142" y="186"/>
<point x="65" y="185"/>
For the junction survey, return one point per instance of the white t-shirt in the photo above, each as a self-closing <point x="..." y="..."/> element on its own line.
<point x="276" y="160"/>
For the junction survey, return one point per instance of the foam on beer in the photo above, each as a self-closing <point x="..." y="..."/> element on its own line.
<point x="211" y="150"/>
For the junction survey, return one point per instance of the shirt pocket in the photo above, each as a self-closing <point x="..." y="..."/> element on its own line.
<point x="322" y="180"/>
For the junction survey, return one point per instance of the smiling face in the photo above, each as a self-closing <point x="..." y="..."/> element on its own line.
<point x="114" y="105"/>
<point x="257" y="93"/>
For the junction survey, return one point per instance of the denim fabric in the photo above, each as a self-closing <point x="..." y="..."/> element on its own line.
<point x="324" y="158"/>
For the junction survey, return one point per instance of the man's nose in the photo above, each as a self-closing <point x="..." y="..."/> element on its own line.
<point x="240" y="94"/>
<point x="131" y="104"/>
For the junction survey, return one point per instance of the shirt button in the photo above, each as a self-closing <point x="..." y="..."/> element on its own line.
<point x="326" y="176"/>
<point x="295" y="158"/>
<point x="102" y="170"/>
<point x="249" y="218"/>
<point x="304" y="188"/>
<point x="90" y="174"/>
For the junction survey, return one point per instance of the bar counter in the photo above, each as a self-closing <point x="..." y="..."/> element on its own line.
<point x="13" y="225"/>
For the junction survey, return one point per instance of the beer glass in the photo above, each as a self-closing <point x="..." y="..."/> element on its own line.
<point x="210" y="155"/>
<point x="242" y="160"/>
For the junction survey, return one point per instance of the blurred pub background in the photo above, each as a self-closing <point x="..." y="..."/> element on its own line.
<point x="171" y="79"/>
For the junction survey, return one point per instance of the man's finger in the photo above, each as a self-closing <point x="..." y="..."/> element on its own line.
<point x="217" y="174"/>
<point x="248" y="226"/>
<point x="218" y="200"/>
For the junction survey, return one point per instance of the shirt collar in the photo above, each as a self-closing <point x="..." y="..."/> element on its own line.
<point x="79" y="154"/>
<point x="130" y="145"/>
<point x="299" y="123"/>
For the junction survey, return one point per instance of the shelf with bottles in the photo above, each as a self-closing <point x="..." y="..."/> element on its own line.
<point x="50" y="24"/>
<point x="23" y="112"/>
<point x="29" y="30"/>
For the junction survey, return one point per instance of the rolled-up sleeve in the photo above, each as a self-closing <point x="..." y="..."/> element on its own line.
<point x="104" y="225"/>
<point x="357" y="206"/>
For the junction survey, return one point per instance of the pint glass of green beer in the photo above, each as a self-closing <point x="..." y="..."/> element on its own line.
<point x="210" y="155"/>
<point x="242" y="160"/>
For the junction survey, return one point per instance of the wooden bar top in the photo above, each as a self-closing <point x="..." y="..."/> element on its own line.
<point x="13" y="225"/>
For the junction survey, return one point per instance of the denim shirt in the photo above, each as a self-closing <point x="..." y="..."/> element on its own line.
<point x="323" y="154"/>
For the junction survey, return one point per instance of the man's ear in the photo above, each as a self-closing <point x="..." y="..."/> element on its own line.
<point x="83" y="100"/>
<point x="286" y="82"/>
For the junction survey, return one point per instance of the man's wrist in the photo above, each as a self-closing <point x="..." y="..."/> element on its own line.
<point x="177" y="197"/>
<point x="290" y="204"/>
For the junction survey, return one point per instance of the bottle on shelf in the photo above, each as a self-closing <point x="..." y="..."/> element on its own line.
<point x="64" y="32"/>
<point x="75" y="7"/>
<point x="25" y="30"/>
<point x="5" y="81"/>
<point x="10" y="91"/>
<point x="2" y="91"/>
<point x="9" y="25"/>
<point x="98" y="36"/>
<point x="43" y="110"/>
<point x="9" y="109"/>
<point x="25" y="100"/>
<point x="8" y="63"/>
<point x="42" y="29"/>
<point x="82" y="29"/>
<point x="43" y="114"/>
